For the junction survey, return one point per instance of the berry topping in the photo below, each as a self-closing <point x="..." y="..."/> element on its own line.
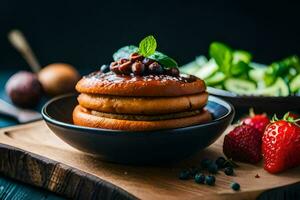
<point x="114" y="67"/>
<point x="147" y="61"/>
<point x="173" y="71"/>
<point x="155" y="62"/>
<point x="141" y="66"/>
<point x="155" y="68"/>
<point x="125" y="67"/>
<point x="243" y="143"/>
<point x="138" y="68"/>
<point x="136" y="57"/>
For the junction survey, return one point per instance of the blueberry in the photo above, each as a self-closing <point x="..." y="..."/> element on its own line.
<point x="199" y="178"/>
<point x="205" y="163"/>
<point x="210" y="180"/>
<point x="155" y="68"/>
<point x="173" y="71"/>
<point x="235" y="186"/>
<point x="184" y="175"/>
<point x="147" y="61"/>
<point x="220" y="162"/>
<point x="228" y="171"/>
<point x="104" y="68"/>
<point x="213" y="168"/>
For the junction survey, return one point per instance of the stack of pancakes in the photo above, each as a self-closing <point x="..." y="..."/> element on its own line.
<point x="140" y="103"/>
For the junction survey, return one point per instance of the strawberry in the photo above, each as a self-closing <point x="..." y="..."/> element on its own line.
<point x="243" y="143"/>
<point x="281" y="144"/>
<point x="259" y="122"/>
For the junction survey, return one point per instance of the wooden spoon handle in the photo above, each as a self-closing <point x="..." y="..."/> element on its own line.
<point x="19" y="41"/>
<point x="8" y="109"/>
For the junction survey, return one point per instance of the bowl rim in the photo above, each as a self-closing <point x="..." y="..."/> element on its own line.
<point x="229" y="114"/>
<point x="227" y="94"/>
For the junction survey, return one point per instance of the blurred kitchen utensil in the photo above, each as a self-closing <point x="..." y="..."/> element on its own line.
<point x="19" y="41"/>
<point x="22" y="115"/>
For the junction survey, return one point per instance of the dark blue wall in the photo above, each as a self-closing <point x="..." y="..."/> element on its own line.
<point x="86" y="33"/>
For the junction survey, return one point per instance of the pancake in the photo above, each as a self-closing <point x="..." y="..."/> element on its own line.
<point x="142" y="105"/>
<point x="84" y="117"/>
<point x="146" y="117"/>
<point x="140" y="86"/>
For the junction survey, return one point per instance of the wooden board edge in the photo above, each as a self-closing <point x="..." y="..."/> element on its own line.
<point x="56" y="177"/>
<point x="20" y="126"/>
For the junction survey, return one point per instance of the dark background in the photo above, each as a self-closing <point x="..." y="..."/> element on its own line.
<point x="86" y="33"/>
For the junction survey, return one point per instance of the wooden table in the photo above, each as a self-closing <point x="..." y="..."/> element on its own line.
<point x="33" y="154"/>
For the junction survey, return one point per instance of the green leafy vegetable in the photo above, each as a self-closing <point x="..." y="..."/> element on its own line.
<point x="222" y="55"/>
<point x="124" y="52"/>
<point x="284" y="68"/>
<point x="147" y="46"/>
<point x="234" y="71"/>
<point x="239" y="68"/>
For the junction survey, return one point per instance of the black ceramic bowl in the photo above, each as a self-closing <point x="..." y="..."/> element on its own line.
<point x="260" y="104"/>
<point x="136" y="147"/>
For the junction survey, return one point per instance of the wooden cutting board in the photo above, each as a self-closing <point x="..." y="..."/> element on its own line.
<point x="33" y="154"/>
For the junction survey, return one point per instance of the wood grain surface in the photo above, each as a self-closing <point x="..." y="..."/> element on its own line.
<point x="32" y="154"/>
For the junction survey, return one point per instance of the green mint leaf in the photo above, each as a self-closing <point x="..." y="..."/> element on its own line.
<point x="147" y="46"/>
<point x="124" y="52"/>
<point x="163" y="59"/>
<point x="222" y="55"/>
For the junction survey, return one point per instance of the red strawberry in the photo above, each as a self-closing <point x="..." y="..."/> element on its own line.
<point x="281" y="144"/>
<point x="259" y="122"/>
<point x="243" y="143"/>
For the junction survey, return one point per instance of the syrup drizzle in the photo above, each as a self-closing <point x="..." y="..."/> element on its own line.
<point x="111" y="77"/>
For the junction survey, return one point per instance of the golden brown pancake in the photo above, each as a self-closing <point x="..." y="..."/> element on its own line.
<point x="84" y="117"/>
<point x="140" y="86"/>
<point x="142" y="105"/>
<point x="146" y="117"/>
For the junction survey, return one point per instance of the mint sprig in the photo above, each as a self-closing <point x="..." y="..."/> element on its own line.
<point x="163" y="59"/>
<point x="147" y="46"/>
